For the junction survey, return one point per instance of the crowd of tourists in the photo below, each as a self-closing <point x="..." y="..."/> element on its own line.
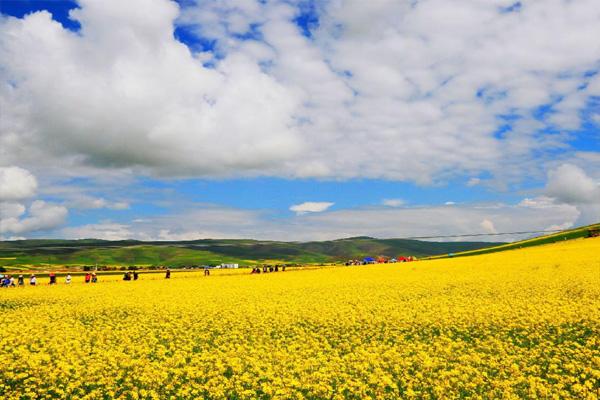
<point x="267" y="268"/>
<point x="129" y="275"/>
<point x="8" y="281"/>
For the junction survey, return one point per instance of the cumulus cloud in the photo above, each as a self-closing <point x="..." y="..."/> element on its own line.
<point x="420" y="95"/>
<point x="569" y="184"/>
<point x="16" y="184"/>
<point x="425" y="94"/>
<point x="11" y="210"/>
<point x="41" y="216"/>
<point x="310" y="207"/>
<point x="148" y="101"/>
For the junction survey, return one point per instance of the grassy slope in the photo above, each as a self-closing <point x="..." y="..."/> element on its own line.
<point x="40" y="253"/>
<point x="569" y="234"/>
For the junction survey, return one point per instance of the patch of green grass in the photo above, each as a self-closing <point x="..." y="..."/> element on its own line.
<point x="569" y="234"/>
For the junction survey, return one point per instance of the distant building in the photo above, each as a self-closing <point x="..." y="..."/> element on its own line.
<point x="230" y="266"/>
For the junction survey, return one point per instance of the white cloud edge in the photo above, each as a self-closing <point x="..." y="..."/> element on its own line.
<point x="311" y="207"/>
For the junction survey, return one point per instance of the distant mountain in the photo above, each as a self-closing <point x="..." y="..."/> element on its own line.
<point x="43" y="252"/>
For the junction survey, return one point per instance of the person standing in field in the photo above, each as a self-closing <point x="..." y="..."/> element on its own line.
<point x="21" y="280"/>
<point x="94" y="278"/>
<point x="32" y="280"/>
<point x="88" y="277"/>
<point x="68" y="279"/>
<point x="168" y="274"/>
<point x="52" y="277"/>
<point x="135" y="275"/>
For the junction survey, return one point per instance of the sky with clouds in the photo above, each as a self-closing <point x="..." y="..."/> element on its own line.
<point x="297" y="120"/>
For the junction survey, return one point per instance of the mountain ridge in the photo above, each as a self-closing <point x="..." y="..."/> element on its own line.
<point x="36" y="253"/>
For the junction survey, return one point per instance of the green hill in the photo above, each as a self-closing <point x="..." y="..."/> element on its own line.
<point x="25" y="254"/>
<point x="569" y="234"/>
<point x="41" y="253"/>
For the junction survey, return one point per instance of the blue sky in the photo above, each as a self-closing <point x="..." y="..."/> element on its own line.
<point x="297" y="120"/>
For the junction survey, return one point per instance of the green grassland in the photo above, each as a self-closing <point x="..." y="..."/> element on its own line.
<point x="43" y="253"/>
<point x="40" y="254"/>
<point x="569" y="234"/>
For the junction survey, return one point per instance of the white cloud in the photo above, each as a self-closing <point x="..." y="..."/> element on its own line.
<point x="570" y="184"/>
<point x="103" y="230"/>
<point x="11" y="210"/>
<point x="417" y="96"/>
<point x="90" y="202"/>
<point x="488" y="226"/>
<point x="310" y="207"/>
<point x="473" y="182"/>
<point x="429" y="221"/>
<point x="560" y="227"/>
<point x="211" y="221"/>
<point x="16" y="184"/>
<point x="538" y="202"/>
<point x="13" y="238"/>
<point x="119" y="205"/>
<point x="216" y="121"/>
<point x="204" y="221"/>
<point x="167" y="234"/>
<point x="393" y="202"/>
<point x="41" y="216"/>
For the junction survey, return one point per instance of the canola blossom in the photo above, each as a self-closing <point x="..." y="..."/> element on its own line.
<point x="516" y="324"/>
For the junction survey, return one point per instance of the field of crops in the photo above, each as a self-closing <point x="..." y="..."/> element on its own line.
<point x="515" y="324"/>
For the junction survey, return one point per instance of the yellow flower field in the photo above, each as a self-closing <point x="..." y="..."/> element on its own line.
<point x="518" y="324"/>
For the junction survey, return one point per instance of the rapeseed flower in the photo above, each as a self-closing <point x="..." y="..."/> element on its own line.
<point x="517" y="324"/>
